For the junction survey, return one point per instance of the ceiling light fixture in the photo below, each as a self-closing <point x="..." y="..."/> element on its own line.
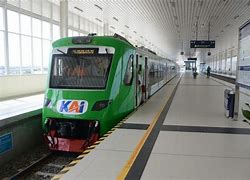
<point x="199" y="3"/>
<point x="172" y="3"/>
<point x="235" y="17"/>
<point x="98" y="19"/>
<point x="248" y="4"/>
<point x="112" y="27"/>
<point x="99" y="7"/>
<point x="135" y="32"/>
<point x="127" y="26"/>
<point x="77" y="8"/>
<point x="115" y="19"/>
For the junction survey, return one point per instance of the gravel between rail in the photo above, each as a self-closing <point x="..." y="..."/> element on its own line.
<point x="43" y="170"/>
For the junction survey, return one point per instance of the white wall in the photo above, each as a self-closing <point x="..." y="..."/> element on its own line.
<point x="21" y="85"/>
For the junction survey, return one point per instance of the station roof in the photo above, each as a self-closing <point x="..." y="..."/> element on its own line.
<point x="169" y="24"/>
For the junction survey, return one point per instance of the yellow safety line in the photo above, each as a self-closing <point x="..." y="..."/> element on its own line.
<point x="130" y="161"/>
<point x="135" y="153"/>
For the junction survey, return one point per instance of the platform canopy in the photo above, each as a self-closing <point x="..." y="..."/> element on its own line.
<point x="169" y="25"/>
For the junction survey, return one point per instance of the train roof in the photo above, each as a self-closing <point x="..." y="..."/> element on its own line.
<point x="91" y="39"/>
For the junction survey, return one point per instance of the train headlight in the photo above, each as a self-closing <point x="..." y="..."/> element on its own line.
<point x="99" y="105"/>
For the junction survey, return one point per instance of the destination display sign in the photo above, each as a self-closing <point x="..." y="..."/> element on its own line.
<point x="202" y="44"/>
<point x="83" y="51"/>
<point x="192" y="59"/>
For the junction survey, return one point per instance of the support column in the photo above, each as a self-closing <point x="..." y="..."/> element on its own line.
<point x="63" y="18"/>
<point x="225" y="70"/>
<point x="212" y="67"/>
<point x="106" y="29"/>
<point x="220" y="64"/>
<point x="231" y="62"/>
<point x="6" y="41"/>
<point x="216" y="62"/>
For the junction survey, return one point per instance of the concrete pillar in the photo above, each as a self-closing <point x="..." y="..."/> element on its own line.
<point x="216" y="62"/>
<point x="63" y="18"/>
<point x="212" y="67"/>
<point x="106" y="29"/>
<point x="220" y="65"/>
<point x="225" y="70"/>
<point x="214" y="59"/>
<point x="231" y="62"/>
<point x="6" y="42"/>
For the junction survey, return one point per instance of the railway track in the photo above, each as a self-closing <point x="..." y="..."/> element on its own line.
<point x="45" y="167"/>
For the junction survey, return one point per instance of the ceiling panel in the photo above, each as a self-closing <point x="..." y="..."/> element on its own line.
<point x="167" y="24"/>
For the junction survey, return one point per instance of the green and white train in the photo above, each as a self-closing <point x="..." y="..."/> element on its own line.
<point x="93" y="83"/>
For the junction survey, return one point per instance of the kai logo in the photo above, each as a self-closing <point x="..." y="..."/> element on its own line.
<point x="66" y="106"/>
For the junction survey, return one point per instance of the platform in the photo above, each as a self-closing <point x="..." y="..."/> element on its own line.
<point x="180" y="133"/>
<point x="20" y="120"/>
<point x="19" y="108"/>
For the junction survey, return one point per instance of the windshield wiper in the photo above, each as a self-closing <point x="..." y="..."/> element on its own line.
<point x="61" y="51"/>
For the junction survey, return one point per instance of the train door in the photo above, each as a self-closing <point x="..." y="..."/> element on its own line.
<point x="145" y="85"/>
<point x="138" y="78"/>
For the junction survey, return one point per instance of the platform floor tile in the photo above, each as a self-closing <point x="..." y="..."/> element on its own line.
<point x="203" y="144"/>
<point x="108" y="158"/>
<point x="195" y="105"/>
<point x="100" y="165"/>
<point x="121" y="140"/>
<point x="190" y="167"/>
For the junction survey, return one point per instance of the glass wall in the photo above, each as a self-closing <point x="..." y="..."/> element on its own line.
<point x="228" y="70"/>
<point x="31" y="27"/>
<point x="234" y="64"/>
<point x="29" y="39"/>
<point x="2" y="45"/>
<point x="223" y="67"/>
<point x="217" y="65"/>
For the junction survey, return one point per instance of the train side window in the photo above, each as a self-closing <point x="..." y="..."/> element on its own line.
<point x="128" y="78"/>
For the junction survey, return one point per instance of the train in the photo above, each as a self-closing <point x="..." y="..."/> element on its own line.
<point x="93" y="83"/>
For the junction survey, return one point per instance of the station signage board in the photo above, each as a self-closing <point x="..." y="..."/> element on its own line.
<point x="192" y="59"/>
<point x="5" y="143"/>
<point x="202" y="44"/>
<point x="244" y="56"/>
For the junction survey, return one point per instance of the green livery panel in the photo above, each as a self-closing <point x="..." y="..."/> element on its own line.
<point x="93" y="83"/>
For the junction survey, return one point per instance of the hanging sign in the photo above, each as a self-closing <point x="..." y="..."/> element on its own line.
<point x="202" y="44"/>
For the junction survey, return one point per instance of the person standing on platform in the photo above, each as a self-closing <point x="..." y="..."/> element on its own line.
<point x="208" y="71"/>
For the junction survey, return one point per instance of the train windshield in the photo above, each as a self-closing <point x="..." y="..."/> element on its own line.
<point x="80" y="71"/>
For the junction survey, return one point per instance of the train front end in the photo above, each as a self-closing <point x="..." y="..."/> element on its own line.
<point x="78" y="95"/>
